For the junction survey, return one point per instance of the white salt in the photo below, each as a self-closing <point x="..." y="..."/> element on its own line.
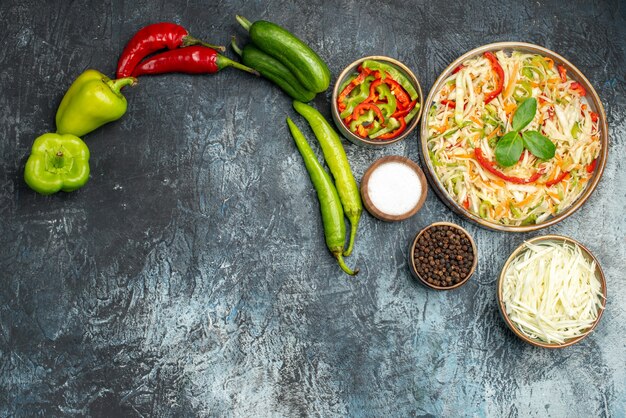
<point x="394" y="188"/>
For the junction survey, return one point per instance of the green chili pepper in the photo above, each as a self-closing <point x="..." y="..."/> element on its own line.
<point x="273" y="70"/>
<point x="523" y="91"/>
<point x="483" y="209"/>
<point x="330" y="205"/>
<point x="92" y="100"/>
<point x="338" y="164"/>
<point x="396" y="74"/>
<point x="539" y="62"/>
<point x="575" y="130"/>
<point x="515" y="211"/>
<point x="432" y="111"/>
<point x="57" y="162"/>
<point x="530" y="219"/>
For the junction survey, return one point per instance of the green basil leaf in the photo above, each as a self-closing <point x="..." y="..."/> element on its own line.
<point x="524" y="114"/>
<point x="539" y="145"/>
<point x="509" y="148"/>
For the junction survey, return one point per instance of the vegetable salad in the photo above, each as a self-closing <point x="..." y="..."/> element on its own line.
<point x="475" y="109"/>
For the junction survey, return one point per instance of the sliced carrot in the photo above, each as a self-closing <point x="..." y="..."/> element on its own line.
<point x="509" y="108"/>
<point x="525" y="201"/>
<point x="509" y="87"/>
<point x="493" y="133"/>
<point x="549" y="61"/>
<point x="476" y="120"/>
<point x="553" y="195"/>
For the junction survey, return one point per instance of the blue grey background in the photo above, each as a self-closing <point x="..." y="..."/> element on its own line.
<point x="190" y="277"/>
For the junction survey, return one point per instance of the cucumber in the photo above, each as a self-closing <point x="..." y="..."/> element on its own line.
<point x="302" y="61"/>
<point x="274" y="71"/>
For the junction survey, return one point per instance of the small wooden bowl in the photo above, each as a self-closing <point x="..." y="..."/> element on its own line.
<point x="502" y="308"/>
<point x="375" y="143"/>
<point x="412" y="258"/>
<point x="367" y="201"/>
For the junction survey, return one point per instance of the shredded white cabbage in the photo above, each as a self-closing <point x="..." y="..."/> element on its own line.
<point x="459" y="122"/>
<point x="551" y="292"/>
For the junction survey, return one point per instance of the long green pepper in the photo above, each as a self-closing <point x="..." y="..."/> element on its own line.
<point x="330" y="205"/>
<point x="337" y="161"/>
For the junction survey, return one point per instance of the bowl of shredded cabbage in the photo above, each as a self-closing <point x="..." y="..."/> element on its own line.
<point x="514" y="137"/>
<point x="551" y="291"/>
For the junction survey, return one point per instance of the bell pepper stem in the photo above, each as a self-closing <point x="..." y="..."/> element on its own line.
<point x="223" y="61"/>
<point x="190" y="40"/>
<point x="117" y="85"/>
<point x="233" y="44"/>
<point x="58" y="160"/>
<point x="243" y="22"/>
<point x="343" y="265"/>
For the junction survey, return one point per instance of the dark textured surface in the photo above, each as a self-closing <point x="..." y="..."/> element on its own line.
<point x="190" y="276"/>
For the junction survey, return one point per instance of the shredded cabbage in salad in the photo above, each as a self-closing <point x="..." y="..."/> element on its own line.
<point x="459" y="122"/>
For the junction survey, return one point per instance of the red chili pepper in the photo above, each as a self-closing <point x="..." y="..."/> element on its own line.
<point x="457" y="69"/>
<point x="594" y="116"/>
<point x="366" y="106"/>
<point x="403" y="112"/>
<point x="557" y="180"/>
<point x="491" y="167"/>
<point x="395" y="133"/>
<point x="592" y="166"/>
<point x="190" y="60"/>
<point x="497" y="68"/>
<point x="562" y="73"/>
<point x="466" y="203"/>
<point x="450" y="103"/>
<point x="578" y="88"/>
<point x="153" y="38"/>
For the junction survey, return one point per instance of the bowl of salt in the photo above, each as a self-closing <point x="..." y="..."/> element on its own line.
<point x="393" y="188"/>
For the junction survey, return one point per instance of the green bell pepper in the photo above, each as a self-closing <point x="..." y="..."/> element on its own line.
<point x="57" y="162"/>
<point x="364" y="119"/>
<point x="389" y="108"/>
<point x="392" y="125"/>
<point x="395" y="74"/>
<point x="357" y="96"/>
<point x="92" y="100"/>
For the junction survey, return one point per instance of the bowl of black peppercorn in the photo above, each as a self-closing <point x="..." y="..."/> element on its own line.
<point x="443" y="256"/>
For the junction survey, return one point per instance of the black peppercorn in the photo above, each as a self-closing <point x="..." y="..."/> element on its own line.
<point x="443" y="255"/>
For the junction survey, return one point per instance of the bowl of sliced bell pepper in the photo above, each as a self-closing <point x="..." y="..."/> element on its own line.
<point x="376" y="101"/>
